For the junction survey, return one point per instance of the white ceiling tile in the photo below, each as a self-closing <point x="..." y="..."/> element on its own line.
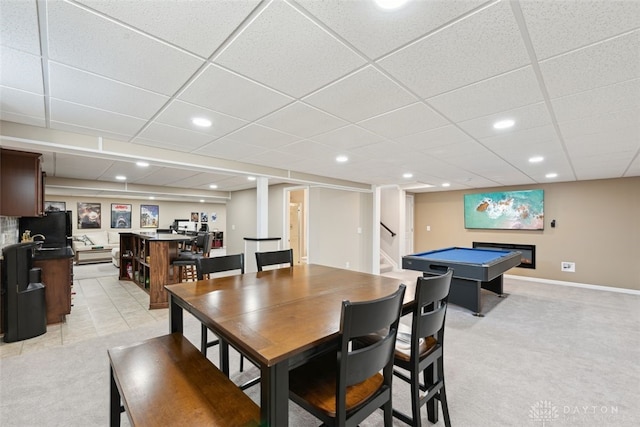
<point x="604" y="143"/>
<point x="262" y="136"/>
<point x="19" y="25"/>
<point x="209" y="23"/>
<point x="458" y="149"/>
<point x="601" y="165"/>
<point x="25" y="120"/>
<point x="180" y="114"/>
<point x="525" y="140"/>
<point x="84" y="167"/>
<point x="93" y="118"/>
<point x="608" y="122"/>
<point x="22" y="103"/>
<point x="602" y="64"/>
<point x="443" y="136"/>
<point x="274" y="158"/>
<point x="69" y="127"/>
<point x="226" y="148"/>
<point x="80" y="87"/>
<point x="313" y="151"/>
<point x="281" y="35"/>
<point x="527" y="117"/>
<point x="480" y="46"/>
<point x="364" y="94"/>
<point x="179" y="139"/>
<point x="404" y="121"/>
<point x="20" y="70"/>
<point x="375" y="31"/>
<point x="229" y="93"/>
<point x="560" y="26"/>
<point x="598" y="101"/>
<point x="86" y="41"/>
<point x="348" y="137"/>
<point x="166" y="176"/>
<point x="500" y="93"/>
<point x="302" y="120"/>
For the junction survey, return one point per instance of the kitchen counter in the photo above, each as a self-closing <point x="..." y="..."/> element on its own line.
<point x="53" y="253"/>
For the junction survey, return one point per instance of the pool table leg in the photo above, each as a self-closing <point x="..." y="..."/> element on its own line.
<point x="466" y="293"/>
<point x="494" y="285"/>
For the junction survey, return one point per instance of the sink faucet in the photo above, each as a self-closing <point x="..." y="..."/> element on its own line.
<point x="38" y="235"/>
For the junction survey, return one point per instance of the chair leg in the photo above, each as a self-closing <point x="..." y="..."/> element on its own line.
<point x="443" y="394"/>
<point x="388" y="414"/>
<point x="432" y="404"/>
<point x="415" y="398"/>
<point x="241" y="363"/>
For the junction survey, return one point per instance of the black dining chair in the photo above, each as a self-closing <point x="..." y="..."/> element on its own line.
<point x="264" y="259"/>
<point x="420" y="351"/>
<point x="186" y="260"/>
<point x="344" y="387"/>
<point x="207" y="266"/>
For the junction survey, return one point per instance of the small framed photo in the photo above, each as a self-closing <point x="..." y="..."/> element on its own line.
<point x="203" y="217"/>
<point x="55" y="206"/>
<point x="149" y="216"/>
<point x="195" y="217"/>
<point x="120" y="215"/>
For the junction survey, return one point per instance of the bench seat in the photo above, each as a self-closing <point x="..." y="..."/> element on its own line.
<point x="167" y="381"/>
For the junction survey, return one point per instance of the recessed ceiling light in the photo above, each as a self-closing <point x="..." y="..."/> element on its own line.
<point x="213" y="186"/>
<point x="142" y="164"/>
<point x="551" y="175"/>
<point x="536" y="159"/>
<point x="504" y="124"/>
<point x="341" y="159"/>
<point x="407" y="175"/>
<point x="201" y="200"/>
<point x="390" y="4"/>
<point x="121" y="177"/>
<point x="251" y="178"/>
<point x="151" y="198"/>
<point x="446" y="184"/>
<point x="201" y="121"/>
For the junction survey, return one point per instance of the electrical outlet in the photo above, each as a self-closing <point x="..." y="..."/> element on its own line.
<point x="568" y="266"/>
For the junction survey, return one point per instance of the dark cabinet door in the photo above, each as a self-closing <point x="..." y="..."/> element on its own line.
<point x="21" y="183"/>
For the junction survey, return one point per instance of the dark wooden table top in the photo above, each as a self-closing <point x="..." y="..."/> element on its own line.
<point x="275" y="314"/>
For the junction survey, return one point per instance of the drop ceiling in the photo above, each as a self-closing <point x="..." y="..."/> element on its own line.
<point x="291" y="85"/>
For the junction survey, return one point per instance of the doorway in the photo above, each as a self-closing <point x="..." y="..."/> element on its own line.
<point x="296" y="223"/>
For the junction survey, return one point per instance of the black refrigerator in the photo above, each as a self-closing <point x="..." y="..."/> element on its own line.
<point x="54" y="226"/>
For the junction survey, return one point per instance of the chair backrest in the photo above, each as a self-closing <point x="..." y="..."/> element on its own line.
<point x="205" y="245"/>
<point x="362" y="361"/>
<point x="274" y="257"/>
<point x="432" y="294"/>
<point x="219" y="264"/>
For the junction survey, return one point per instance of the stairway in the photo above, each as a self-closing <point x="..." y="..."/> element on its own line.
<point x="385" y="267"/>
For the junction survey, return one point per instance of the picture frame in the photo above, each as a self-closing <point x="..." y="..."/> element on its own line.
<point x="89" y="215"/>
<point x="55" y="206"/>
<point x="120" y="215"/>
<point x="505" y="210"/>
<point x="149" y="216"/>
<point x="204" y="217"/>
<point x="195" y="217"/>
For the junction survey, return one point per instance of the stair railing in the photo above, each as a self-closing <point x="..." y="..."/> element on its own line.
<point x="388" y="229"/>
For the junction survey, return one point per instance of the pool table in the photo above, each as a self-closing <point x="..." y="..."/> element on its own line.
<point x="473" y="269"/>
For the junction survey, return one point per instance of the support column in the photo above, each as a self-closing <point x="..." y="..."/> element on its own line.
<point x="262" y="214"/>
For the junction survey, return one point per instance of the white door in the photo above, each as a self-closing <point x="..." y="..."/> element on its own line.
<point x="408" y="238"/>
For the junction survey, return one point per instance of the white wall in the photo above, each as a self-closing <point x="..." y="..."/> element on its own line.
<point x="340" y="224"/>
<point x="242" y="222"/>
<point x="168" y="211"/>
<point x="391" y="199"/>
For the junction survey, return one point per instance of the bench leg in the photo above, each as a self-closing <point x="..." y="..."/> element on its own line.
<point x="115" y="409"/>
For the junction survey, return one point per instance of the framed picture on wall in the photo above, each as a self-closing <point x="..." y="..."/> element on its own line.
<point x="55" y="206"/>
<point x="120" y="215"/>
<point x="89" y="215"/>
<point x="203" y="217"/>
<point x="505" y="210"/>
<point x="149" y="216"/>
<point x="195" y="217"/>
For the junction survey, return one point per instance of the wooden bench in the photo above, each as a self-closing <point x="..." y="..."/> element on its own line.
<point x="167" y="381"/>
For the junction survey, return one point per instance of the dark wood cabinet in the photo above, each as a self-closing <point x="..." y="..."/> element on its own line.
<point x="21" y="183"/>
<point x="57" y="276"/>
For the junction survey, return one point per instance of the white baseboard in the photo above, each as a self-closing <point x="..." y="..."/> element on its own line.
<point x="575" y="284"/>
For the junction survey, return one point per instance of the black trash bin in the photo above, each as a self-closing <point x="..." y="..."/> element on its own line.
<point x="25" y="308"/>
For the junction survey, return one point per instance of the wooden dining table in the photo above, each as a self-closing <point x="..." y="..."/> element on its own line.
<point x="279" y="318"/>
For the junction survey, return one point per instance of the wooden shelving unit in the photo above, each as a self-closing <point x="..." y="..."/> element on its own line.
<point x="146" y="260"/>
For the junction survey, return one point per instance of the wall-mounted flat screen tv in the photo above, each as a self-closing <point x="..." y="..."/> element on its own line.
<point x="505" y="210"/>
